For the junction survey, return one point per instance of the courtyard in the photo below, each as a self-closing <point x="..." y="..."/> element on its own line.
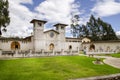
<point x="52" y="68"/>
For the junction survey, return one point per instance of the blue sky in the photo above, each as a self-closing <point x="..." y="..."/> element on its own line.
<point x="54" y="11"/>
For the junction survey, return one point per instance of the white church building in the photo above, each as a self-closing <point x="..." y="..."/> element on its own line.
<point x="52" y="42"/>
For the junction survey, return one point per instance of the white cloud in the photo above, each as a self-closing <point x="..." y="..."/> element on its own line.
<point x="51" y="10"/>
<point x="58" y="10"/>
<point x="118" y="33"/>
<point x="20" y="17"/>
<point x="106" y="8"/>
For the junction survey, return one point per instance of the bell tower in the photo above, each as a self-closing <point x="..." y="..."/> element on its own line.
<point x="38" y="28"/>
<point x="61" y="29"/>
<point x="38" y="34"/>
<point x="61" y="36"/>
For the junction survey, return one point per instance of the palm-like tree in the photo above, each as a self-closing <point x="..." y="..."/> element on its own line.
<point x="4" y="15"/>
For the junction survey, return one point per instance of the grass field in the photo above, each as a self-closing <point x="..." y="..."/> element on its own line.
<point x="116" y="55"/>
<point x="52" y="68"/>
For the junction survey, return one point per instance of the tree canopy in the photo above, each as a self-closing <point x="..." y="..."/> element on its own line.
<point x="4" y="15"/>
<point x="95" y="29"/>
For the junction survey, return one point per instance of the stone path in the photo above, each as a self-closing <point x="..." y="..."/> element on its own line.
<point x="105" y="77"/>
<point x="115" y="62"/>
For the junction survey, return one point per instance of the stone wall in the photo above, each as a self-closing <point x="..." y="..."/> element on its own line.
<point x="103" y="46"/>
<point x="24" y="45"/>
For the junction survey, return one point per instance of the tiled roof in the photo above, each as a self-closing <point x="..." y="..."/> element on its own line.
<point x="38" y="21"/>
<point x="60" y="24"/>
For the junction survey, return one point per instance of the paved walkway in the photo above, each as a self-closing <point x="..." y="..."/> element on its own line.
<point x="115" y="62"/>
<point x="112" y="61"/>
<point x="105" y="77"/>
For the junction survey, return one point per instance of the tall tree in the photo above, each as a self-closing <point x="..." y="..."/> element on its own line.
<point x="93" y="28"/>
<point x="75" y="27"/>
<point x="96" y="29"/>
<point x="100" y="30"/>
<point x="4" y="15"/>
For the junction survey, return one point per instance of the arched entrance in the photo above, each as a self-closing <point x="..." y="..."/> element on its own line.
<point x="92" y="47"/>
<point x="51" y="46"/>
<point x="15" y="45"/>
<point x="70" y="47"/>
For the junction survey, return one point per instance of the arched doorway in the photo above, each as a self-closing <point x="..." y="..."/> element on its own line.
<point x="15" y="45"/>
<point x="51" y="46"/>
<point x="70" y="47"/>
<point x="92" y="47"/>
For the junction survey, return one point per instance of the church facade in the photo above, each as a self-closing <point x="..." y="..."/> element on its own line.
<point x="52" y="39"/>
<point x="42" y="41"/>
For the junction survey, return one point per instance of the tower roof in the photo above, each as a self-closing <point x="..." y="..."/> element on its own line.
<point x="51" y="30"/>
<point x="60" y="24"/>
<point x="38" y="21"/>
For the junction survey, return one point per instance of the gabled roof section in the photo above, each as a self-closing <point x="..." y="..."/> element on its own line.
<point x="38" y="21"/>
<point x="60" y="24"/>
<point x="52" y="30"/>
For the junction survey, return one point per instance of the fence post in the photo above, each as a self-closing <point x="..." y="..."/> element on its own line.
<point x="62" y="53"/>
<point x="43" y="54"/>
<point x="0" y="52"/>
<point x="53" y="52"/>
<point x="30" y="52"/>
<point x="16" y="53"/>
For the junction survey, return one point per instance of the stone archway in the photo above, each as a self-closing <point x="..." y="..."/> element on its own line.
<point x="92" y="47"/>
<point x="15" y="45"/>
<point x="70" y="47"/>
<point x="51" y="46"/>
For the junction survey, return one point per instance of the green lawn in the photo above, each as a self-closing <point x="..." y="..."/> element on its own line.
<point x="52" y="68"/>
<point x="116" y="55"/>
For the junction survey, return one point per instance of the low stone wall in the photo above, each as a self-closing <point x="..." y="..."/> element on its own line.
<point x="31" y="53"/>
<point x="0" y="52"/>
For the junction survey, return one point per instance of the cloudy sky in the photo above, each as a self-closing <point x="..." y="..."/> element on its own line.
<point x="54" y="11"/>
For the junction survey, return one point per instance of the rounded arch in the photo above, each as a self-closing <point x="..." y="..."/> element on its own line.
<point x="51" y="46"/>
<point x="15" y="45"/>
<point x="92" y="47"/>
<point x="70" y="47"/>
